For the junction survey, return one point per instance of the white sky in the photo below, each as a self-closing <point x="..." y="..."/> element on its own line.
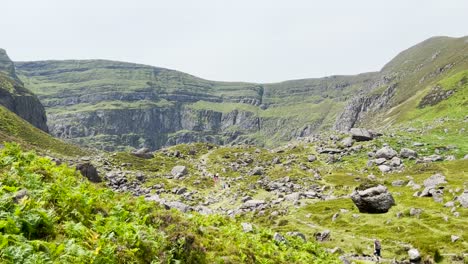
<point x="237" y="40"/>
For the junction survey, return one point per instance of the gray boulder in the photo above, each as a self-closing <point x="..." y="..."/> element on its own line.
<point x="361" y="134"/>
<point x="257" y="171"/>
<point x="434" y="180"/>
<point x="251" y="204"/>
<point x="322" y="236"/>
<point x="408" y="153"/>
<point x="297" y="234"/>
<point x="279" y="238"/>
<point x="247" y="227"/>
<point x="385" y="168"/>
<point x="311" y="158"/>
<point x="398" y="183"/>
<point x="89" y="171"/>
<point x="347" y="142"/>
<point x="386" y="152"/>
<point x="414" y="255"/>
<point x="373" y="200"/>
<point x="177" y="205"/>
<point x="143" y="153"/>
<point x="179" y="171"/>
<point x="463" y="199"/>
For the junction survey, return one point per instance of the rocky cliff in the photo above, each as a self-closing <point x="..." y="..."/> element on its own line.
<point x="116" y="105"/>
<point x="16" y="98"/>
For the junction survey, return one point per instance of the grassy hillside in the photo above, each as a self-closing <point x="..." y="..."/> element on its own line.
<point x="50" y="214"/>
<point x="15" y="129"/>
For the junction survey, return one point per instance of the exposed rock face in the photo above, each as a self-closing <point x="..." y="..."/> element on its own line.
<point x="373" y="200"/>
<point x="137" y="105"/>
<point x="361" y="105"/>
<point x="16" y="98"/>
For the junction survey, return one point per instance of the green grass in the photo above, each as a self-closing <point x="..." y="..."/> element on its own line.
<point x="65" y="219"/>
<point x="15" y="129"/>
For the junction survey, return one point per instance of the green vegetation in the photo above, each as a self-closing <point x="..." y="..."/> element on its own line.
<point x="15" y="129"/>
<point x="49" y="214"/>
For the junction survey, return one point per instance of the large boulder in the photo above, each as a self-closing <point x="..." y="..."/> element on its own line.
<point x="386" y="152"/>
<point x="179" y="171"/>
<point x="89" y="171"/>
<point x="373" y="200"/>
<point x="144" y="153"/>
<point x="361" y="134"/>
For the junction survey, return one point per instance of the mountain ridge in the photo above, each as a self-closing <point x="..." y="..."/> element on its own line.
<point x="185" y="108"/>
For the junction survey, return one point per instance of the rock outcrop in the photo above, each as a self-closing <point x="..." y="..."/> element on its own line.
<point x="16" y="98"/>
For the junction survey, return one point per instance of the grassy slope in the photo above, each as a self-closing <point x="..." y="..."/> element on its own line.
<point x="15" y="129"/>
<point x="65" y="219"/>
<point x="430" y="233"/>
<point x="438" y="60"/>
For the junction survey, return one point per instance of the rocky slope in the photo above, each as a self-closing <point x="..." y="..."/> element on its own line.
<point x="16" y="98"/>
<point x="116" y="105"/>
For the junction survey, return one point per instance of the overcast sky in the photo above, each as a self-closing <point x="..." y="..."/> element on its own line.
<point x="237" y="40"/>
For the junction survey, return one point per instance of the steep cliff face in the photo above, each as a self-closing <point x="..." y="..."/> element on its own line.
<point x="16" y="98"/>
<point x="116" y="105"/>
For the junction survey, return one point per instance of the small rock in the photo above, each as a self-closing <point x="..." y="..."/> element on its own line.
<point x="398" y="183"/>
<point x="386" y="152"/>
<point x="257" y="171"/>
<point x="463" y="199"/>
<point x="449" y="204"/>
<point x="311" y="158"/>
<point x="347" y="142"/>
<point x="179" y="171"/>
<point x="247" y="227"/>
<point x="335" y="216"/>
<point x="322" y="236"/>
<point x="415" y="212"/>
<point x="20" y="195"/>
<point x="279" y="238"/>
<point x="143" y="153"/>
<point x="414" y="255"/>
<point x="385" y="168"/>
<point x="297" y="234"/>
<point x="454" y="238"/>
<point x="408" y="153"/>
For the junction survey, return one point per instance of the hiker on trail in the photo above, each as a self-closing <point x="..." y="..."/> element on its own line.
<point x="216" y="178"/>
<point x="377" y="248"/>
